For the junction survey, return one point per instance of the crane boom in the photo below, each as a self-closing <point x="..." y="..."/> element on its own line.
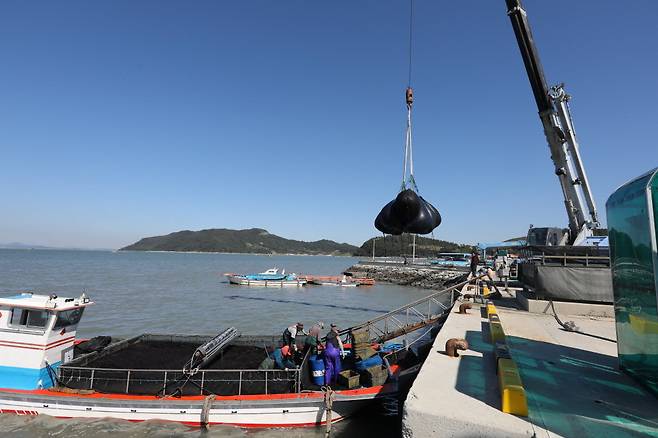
<point x="558" y="127"/>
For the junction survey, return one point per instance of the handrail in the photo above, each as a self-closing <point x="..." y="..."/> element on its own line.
<point x="266" y="376"/>
<point x="412" y="304"/>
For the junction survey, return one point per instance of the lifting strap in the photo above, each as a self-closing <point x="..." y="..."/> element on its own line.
<point x="408" y="180"/>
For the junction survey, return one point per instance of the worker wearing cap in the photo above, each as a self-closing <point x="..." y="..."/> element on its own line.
<point x="332" y="354"/>
<point x="312" y="341"/>
<point x="290" y="334"/>
<point x="283" y="358"/>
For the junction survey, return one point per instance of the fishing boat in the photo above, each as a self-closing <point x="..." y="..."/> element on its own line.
<point x="342" y="281"/>
<point x="452" y="259"/>
<point x="270" y="278"/>
<point x="195" y="380"/>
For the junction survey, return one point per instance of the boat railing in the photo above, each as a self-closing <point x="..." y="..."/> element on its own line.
<point x="165" y="382"/>
<point x="412" y="316"/>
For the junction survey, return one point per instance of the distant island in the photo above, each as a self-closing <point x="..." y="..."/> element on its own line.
<point x="253" y="241"/>
<point x="396" y="246"/>
<point x="260" y="241"/>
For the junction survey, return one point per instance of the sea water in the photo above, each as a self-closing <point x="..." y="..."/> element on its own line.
<point x="187" y="293"/>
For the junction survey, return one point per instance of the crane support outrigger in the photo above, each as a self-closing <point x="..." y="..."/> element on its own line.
<point x="553" y="106"/>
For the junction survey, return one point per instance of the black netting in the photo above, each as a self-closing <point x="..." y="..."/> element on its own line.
<point x="137" y="366"/>
<point x="148" y="382"/>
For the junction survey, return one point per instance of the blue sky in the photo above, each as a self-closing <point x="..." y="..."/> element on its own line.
<point x="126" y="119"/>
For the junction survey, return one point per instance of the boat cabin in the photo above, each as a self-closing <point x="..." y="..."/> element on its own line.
<point x="37" y="335"/>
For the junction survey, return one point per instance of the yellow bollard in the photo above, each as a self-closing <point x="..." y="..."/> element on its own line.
<point x="496" y="331"/>
<point x="512" y="394"/>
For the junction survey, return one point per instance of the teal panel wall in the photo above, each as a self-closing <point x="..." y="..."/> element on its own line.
<point x="631" y="211"/>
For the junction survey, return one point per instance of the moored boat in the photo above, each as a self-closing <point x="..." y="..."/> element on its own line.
<point x="269" y="278"/>
<point x="343" y="281"/>
<point x="452" y="259"/>
<point x="189" y="379"/>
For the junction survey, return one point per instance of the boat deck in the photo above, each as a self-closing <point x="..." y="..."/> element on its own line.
<point x="152" y="365"/>
<point x="161" y="355"/>
<point x="572" y="381"/>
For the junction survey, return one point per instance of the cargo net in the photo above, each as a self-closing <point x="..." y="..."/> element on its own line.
<point x="179" y="383"/>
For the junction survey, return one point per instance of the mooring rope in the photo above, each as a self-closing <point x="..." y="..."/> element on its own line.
<point x="571" y="326"/>
<point x="329" y="395"/>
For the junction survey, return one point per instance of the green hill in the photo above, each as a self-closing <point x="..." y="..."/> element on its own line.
<point x="393" y="246"/>
<point x="254" y="240"/>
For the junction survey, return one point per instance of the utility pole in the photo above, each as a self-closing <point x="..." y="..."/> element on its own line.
<point x="413" y="251"/>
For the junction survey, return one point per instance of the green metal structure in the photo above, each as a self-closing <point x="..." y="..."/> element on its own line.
<point x="632" y="211"/>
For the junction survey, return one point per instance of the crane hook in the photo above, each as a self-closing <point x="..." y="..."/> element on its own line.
<point x="410" y="97"/>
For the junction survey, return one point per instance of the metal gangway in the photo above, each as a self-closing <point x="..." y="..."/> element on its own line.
<point x="413" y="316"/>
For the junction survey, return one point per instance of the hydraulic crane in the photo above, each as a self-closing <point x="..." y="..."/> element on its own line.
<point x="553" y="106"/>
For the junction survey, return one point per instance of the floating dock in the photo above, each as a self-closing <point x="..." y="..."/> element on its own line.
<point x="570" y="382"/>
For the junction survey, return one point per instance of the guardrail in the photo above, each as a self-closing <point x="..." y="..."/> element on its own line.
<point x="117" y="380"/>
<point x="410" y="317"/>
<point x="565" y="259"/>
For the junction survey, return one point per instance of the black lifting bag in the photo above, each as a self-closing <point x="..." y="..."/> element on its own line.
<point x="408" y="213"/>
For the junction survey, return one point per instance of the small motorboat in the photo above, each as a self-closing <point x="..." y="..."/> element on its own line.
<point x="270" y="278"/>
<point x="452" y="259"/>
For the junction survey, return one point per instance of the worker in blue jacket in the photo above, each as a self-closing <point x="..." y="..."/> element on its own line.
<point x="283" y="358"/>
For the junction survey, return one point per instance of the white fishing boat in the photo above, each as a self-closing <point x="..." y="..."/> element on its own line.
<point x="270" y="278"/>
<point x="195" y="380"/>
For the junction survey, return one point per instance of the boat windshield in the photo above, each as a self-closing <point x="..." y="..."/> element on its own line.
<point x="68" y="317"/>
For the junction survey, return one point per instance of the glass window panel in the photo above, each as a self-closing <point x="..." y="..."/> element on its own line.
<point x="68" y="317"/>
<point x="37" y="318"/>
<point x="18" y="317"/>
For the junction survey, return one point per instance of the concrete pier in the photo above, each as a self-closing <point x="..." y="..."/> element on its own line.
<point x="572" y="381"/>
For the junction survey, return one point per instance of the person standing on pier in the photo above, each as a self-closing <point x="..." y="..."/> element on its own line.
<point x="475" y="261"/>
<point x="333" y="352"/>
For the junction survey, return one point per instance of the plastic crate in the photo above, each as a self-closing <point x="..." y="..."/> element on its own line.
<point x="349" y="379"/>
<point x="374" y="376"/>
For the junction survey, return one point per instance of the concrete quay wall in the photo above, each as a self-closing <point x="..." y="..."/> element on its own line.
<point x="458" y="397"/>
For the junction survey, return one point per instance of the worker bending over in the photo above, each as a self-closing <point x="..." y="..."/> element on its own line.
<point x="283" y="358"/>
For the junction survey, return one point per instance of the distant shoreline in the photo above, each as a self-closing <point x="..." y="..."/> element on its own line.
<point x="56" y="249"/>
<point x="235" y="253"/>
<point x="176" y="252"/>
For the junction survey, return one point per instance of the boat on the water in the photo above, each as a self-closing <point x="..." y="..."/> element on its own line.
<point x="452" y="259"/>
<point x="342" y="281"/>
<point x="195" y="380"/>
<point x="270" y="278"/>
